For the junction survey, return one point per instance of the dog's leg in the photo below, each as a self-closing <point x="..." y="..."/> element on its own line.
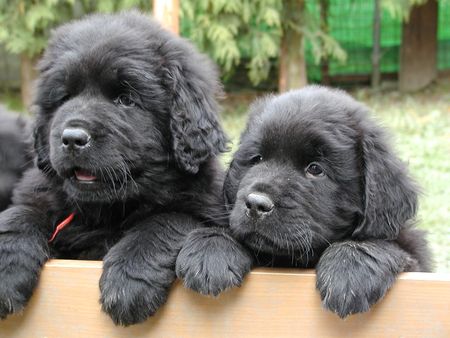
<point x="211" y="261"/>
<point x="23" y="251"/>
<point x="353" y="275"/>
<point x="139" y="270"/>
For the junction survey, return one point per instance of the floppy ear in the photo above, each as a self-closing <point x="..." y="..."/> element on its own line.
<point x="390" y="195"/>
<point x="192" y="82"/>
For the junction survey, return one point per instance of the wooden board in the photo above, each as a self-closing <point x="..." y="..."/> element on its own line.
<point x="271" y="303"/>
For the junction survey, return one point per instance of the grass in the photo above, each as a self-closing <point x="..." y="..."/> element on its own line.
<point x="420" y="126"/>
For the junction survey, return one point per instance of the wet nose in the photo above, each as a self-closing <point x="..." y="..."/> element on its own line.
<point x="258" y="205"/>
<point x="75" y="138"/>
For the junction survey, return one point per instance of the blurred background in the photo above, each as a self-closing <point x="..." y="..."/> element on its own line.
<point x="394" y="55"/>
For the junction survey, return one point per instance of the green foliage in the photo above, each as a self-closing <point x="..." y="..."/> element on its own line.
<point x="108" y="6"/>
<point x="233" y="30"/>
<point x="25" y="24"/>
<point x="230" y="30"/>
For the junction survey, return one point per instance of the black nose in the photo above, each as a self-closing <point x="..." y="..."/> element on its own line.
<point x="75" y="138"/>
<point x="258" y="204"/>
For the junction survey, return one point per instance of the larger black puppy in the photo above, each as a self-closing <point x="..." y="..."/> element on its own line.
<point x="126" y="139"/>
<point x="313" y="184"/>
<point x="15" y="153"/>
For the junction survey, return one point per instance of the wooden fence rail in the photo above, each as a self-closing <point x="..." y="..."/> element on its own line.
<point x="271" y="303"/>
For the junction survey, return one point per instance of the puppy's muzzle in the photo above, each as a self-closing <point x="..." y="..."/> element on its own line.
<point x="258" y="205"/>
<point x="75" y="139"/>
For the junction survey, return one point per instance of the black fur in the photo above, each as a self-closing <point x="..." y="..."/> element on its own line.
<point x="148" y="101"/>
<point x="15" y="153"/>
<point x="352" y="220"/>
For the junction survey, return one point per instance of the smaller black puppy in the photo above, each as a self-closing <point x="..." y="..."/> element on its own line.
<point x="313" y="184"/>
<point x="15" y="153"/>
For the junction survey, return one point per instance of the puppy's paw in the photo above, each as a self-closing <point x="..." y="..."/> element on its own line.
<point x="352" y="276"/>
<point x="12" y="298"/>
<point x="346" y="295"/>
<point x="211" y="261"/>
<point x="17" y="284"/>
<point x="20" y="265"/>
<point x="127" y="296"/>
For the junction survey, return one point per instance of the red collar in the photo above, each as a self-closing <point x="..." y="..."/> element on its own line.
<point x="61" y="226"/>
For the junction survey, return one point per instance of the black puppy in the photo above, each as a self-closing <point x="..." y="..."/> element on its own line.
<point x="126" y="138"/>
<point x="15" y="153"/>
<point x="313" y="184"/>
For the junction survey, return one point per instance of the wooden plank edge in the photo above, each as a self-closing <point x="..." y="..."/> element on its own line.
<point x="420" y="276"/>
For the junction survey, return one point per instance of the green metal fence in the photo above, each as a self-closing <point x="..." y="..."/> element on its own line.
<point x="350" y="23"/>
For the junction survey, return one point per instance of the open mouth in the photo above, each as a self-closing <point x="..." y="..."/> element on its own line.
<point x="92" y="185"/>
<point x="85" y="176"/>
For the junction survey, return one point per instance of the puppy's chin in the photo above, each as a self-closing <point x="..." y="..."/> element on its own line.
<point x="99" y="192"/>
<point x="261" y="244"/>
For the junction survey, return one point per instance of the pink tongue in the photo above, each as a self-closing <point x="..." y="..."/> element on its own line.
<point x="84" y="176"/>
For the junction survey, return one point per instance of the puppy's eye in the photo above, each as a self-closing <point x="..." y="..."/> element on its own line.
<point x="255" y="159"/>
<point x="314" y="170"/>
<point x="57" y="99"/>
<point x="64" y="98"/>
<point x="125" y="100"/>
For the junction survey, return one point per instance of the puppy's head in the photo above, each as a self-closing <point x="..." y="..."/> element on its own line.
<point x="121" y="106"/>
<point x="312" y="168"/>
